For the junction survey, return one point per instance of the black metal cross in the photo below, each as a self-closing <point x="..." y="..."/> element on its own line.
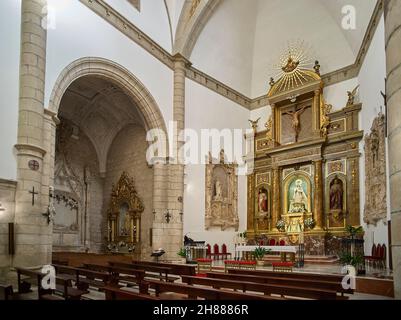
<point x="33" y="195"/>
<point x="167" y="216"/>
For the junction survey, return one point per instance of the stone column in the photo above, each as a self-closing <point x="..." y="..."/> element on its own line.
<point x="169" y="235"/>
<point x="33" y="234"/>
<point x="318" y="198"/>
<point x="392" y="14"/>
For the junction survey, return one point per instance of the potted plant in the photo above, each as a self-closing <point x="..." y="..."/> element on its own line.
<point x="259" y="253"/>
<point x="183" y="254"/>
<point x="347" y="258"/>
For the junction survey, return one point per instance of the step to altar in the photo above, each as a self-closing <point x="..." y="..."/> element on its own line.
<point x="308" y="259"/>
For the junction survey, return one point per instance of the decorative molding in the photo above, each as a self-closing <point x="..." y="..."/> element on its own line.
<point x="104" y="10"/>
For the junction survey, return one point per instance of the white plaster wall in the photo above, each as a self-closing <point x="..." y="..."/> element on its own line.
<point x="308" y="20"/>
<point x="152" y="19"/>
<point x="200" y="105"/>
<point x="225" y="47"/>
<point x="372" y="81"/>
<point x="10" y="34"/>
<point x="72" y="39"/>
<point x="336" y="94"/>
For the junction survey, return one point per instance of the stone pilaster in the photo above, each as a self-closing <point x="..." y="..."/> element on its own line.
<point x="170" y="235"/>
<point x="318" y="198"/>
<point x="392" y="13"/>
<point x="33" y="234"/>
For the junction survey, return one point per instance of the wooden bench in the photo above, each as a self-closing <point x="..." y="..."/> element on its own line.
<point x="193" y="293"/>
<point x="162" y="272"/>
<point x="267" y="289"/>
<point x="300" y="283"/>
<point x="337" y="279"/>
<point x="83" y="278"/>
<point x="6" y="292"/>
<point x="115" y="293"/>
<point x="128" y="276"/>
<point x="239" y="264"/>
<point x="175" y="269"/>
<point x="63" y="286"/>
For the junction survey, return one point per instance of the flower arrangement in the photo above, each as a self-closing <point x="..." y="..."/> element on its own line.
<point x="280" y="225"/>
<point x="310" y="223"/>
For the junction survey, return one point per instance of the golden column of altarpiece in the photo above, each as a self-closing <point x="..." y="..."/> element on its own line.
<point x="306" y="165"/>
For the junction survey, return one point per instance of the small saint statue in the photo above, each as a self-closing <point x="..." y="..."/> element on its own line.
<point x="218" y="191"/>
<point x="336" y="194"/>
<point x="299" y="202"/>
<point x="262" y="201"/>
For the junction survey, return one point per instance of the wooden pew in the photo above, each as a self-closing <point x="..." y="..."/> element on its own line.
<point x="301" y="283"/>
<point x="175" y="269"/>
<point x="83" y="278"/>
<point x="206" y="293"/>
<point x="119" y="274"/>
<point x="162" y="271"/>
<point x="296" y="275"/>
<point x="267" y="289"/>
<point x="6" y="292"/>
<point x="115" y="293"/>
<point x="63" y="286"/>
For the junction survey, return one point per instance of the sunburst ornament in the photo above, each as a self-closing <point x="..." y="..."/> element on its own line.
<point x="294" y="67"/>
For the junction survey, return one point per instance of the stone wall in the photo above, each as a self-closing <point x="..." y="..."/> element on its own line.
<point x="128" y="153"/>
<point x="77" y="172"/>
<point x="7" y="208"/>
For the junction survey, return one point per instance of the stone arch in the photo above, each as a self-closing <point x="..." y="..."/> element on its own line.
<point x="100" y="67"/>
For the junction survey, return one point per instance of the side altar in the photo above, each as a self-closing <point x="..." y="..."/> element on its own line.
<point x="305" y="180"/>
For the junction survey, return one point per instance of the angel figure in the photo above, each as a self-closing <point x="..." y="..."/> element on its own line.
<point x="351" y="96"/>
<point x="254" y="124"/>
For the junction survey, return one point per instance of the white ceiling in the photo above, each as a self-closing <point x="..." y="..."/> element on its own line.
<point x="243" y="39"/>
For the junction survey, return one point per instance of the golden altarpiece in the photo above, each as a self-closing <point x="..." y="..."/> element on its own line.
<point x="124" y="217"/>
<point x="305" y="182"/>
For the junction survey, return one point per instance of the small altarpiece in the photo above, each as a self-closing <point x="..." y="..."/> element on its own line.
<point x="221" y="194"/>
<point x="305" y="182"/>
<point x="124" y="217"/>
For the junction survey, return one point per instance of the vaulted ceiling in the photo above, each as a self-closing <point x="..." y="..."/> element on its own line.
<point x="101" y="110"/>
<point x="237" y="41"/>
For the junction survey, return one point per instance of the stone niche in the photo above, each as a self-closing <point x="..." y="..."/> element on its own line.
<point x="221" y="194"/>
<point x="375" y="172"/>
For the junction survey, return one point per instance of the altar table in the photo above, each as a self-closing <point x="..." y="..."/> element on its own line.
<point x="283" y="250"/>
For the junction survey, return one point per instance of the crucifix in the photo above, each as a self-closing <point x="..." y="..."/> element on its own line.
<point x="33" y="195"/>
<point x="296" y="125"/>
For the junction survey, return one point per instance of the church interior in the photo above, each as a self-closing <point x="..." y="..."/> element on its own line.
<point x="200" y="149"/>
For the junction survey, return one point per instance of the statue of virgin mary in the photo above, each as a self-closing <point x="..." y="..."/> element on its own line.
<point x="299" y="202"/>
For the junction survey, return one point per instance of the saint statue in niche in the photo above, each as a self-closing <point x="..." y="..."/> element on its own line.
<point x="218" y="191"/>
<point x="299" y="202"/>
<point x="262" y="200"/>
<point x="336" y="194"/>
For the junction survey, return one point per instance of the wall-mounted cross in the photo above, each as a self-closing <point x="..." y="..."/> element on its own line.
<point x="167" y="216"/>
<point x="33" y="195"/>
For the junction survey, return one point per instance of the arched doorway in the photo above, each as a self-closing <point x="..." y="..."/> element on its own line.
<point x="104" y="113"/>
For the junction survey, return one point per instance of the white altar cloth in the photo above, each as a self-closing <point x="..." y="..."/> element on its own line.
<point x="291" y="249"/>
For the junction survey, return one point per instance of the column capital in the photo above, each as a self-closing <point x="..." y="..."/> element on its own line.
<point x="178" y="58"/>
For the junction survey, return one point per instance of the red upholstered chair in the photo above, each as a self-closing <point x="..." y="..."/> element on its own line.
<point x="216" y="252"/>
<point x="224" y="253"/>
<point x="371" y="260"/>
<point x="262" y="242"/>
<point x="208" y="251"/>
<point x="282" y="242"/>
<point x="272" y="242"/>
